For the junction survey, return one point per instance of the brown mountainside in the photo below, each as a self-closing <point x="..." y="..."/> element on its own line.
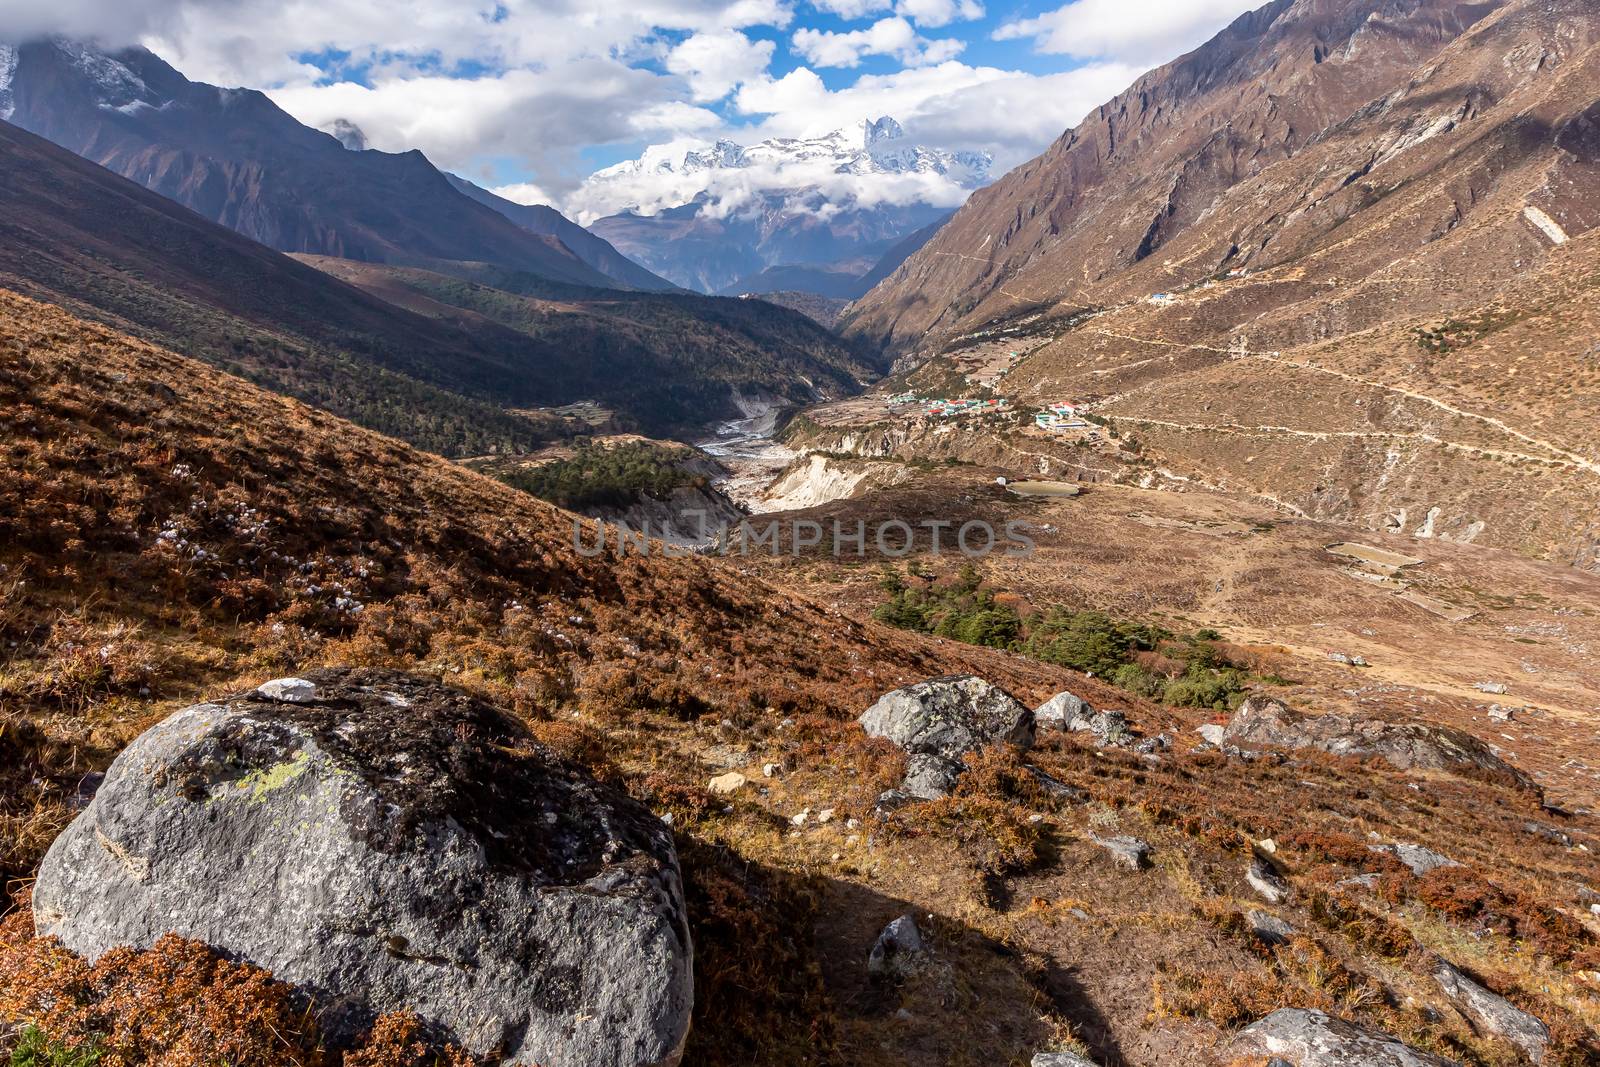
<point x="1336" y="257"/>
<point x="167" y="532"/>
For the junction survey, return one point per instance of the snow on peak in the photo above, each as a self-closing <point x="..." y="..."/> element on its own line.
<point x="8" y="70"/>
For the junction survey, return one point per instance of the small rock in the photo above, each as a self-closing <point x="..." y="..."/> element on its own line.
<point x="824" y="816"/>
<point x="852" y="824"/>
<point x="1212" y="733"/>
<point x="1493" y="1012"/>
<point x="1057" y="788"/>
<point x="1059" y="1059"/>
<point x="1549" y="833"/>
<point x="1594" y="909"/>
<point x="1494" y="688"/>
<point x="1266" y="881"/>
<point x="727" y="784"/>
<point x="1061" y="711"/>
<point x="769" y="770"/>
<point x="1151" y="745"/>
<point x="1501" y="713"/>
<point x="289" y="691"/>
<point x="1420" y="860"/>
<point x="1269" y="928"/>
<point x="899" y="951"/>
<point x="800" y="818"/>
<point x="1129" y="852"/>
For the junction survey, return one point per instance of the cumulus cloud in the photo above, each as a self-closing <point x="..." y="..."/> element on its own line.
<point x="886" y="37"/>
<point x="1132" y="31"/>
<point x="714" y="64"/>
<point x="929" y="13"/>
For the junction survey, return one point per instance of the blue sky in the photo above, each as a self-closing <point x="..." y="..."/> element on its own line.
<point x="531" y="96"/>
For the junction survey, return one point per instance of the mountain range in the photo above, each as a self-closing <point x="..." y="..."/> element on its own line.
<point x="235" y="157"/>
<point x="782" y="214"/>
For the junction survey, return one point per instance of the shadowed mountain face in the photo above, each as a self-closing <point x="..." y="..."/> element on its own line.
<point x="542" y="219"/>
<point x="238" y="159"/>
<point x="438" y="370"/>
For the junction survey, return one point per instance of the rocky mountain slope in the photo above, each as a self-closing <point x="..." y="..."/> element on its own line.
<point x="1128" y="894"/>
<point x="1336" y="257"/>
<point x="543" y="219"/>
<point x="235" y="157"/>
<point x="735" y="219"/>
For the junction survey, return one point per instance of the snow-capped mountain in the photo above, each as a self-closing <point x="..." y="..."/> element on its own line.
<point x="866" y="147"/>
<point x="726" y="217"/>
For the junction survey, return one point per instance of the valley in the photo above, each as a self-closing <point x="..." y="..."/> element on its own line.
<point x="443" y="630"/>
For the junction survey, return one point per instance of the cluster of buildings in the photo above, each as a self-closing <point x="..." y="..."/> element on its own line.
<point x="1059" y="418"/>
<point x="940" y="408"/>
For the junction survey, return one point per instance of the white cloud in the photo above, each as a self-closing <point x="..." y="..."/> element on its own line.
<point x="1132" y="31"/>
<point x="886" y="37"/>
<point x="714" y="64"/>
<point x="928" y="13"/>
<point x="932" y="13"/>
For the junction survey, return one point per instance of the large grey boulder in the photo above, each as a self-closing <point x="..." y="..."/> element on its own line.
<point x="1492" y="1012"/>
<point x="1263" y="723"/>
<point x="939" y="721"/>
<point x="1315" y="1039"/>
<point x="385" y="842"/>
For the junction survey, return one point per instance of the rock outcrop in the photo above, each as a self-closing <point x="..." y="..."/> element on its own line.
<point x="384" y="842"/>
<point x="1315" y="1039"/>
<point x="1492" y="1012"/>
<point x="939" y="721"/>
<point x="1263" y="723"/>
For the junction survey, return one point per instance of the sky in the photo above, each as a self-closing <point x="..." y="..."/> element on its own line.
<point x="531" y="96"/>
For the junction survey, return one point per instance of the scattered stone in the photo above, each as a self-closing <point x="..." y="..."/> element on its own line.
<point x="1493" y="1012"/>
<point x="1308" y="1038"/>
<point x="1549" y="833"/>
<point x="1594" y="909"/>
<point x="390" y="846"/>
<point x="1129" y="852"/>
<point x="1062" y="711"/>
<point x="1108" y="727"/>
<point x="1059" y="1059"/>
<point x="1212" y="733"/>
<point x="1418" y="859"/>
<point x="1498" y="689"/>
<point x="824" y="816"/>
<point x="1264" y="723"/>
<point x="769" y="770"/>
<point x="1266" y="881"/>
<point x="1501" y="713"/>
<point x="289" y="691"/>
<point x="899" y="951"/>
<point x="1348" y="658"/>
<point x="1269" y="928"/>
<point x="800" y="818"/>
<point x="939" y="721"/>
<point x="727" y="784"/>
<point x="1152" y="745"/>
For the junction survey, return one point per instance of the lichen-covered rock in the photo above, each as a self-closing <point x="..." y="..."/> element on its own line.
<point x="1263" y="723"/>
<point x="1129" y="852"/>
<point x="939" y="721"/>
<point x="385" y="842"/>
<point x="1266" y="881"/>
<point x="1492" y="1012"/>
<point x="1059" y="1059"/>
<point x="1315" y="1039"/>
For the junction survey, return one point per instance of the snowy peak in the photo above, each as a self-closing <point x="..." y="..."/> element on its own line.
<point x="871" y="146"/>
